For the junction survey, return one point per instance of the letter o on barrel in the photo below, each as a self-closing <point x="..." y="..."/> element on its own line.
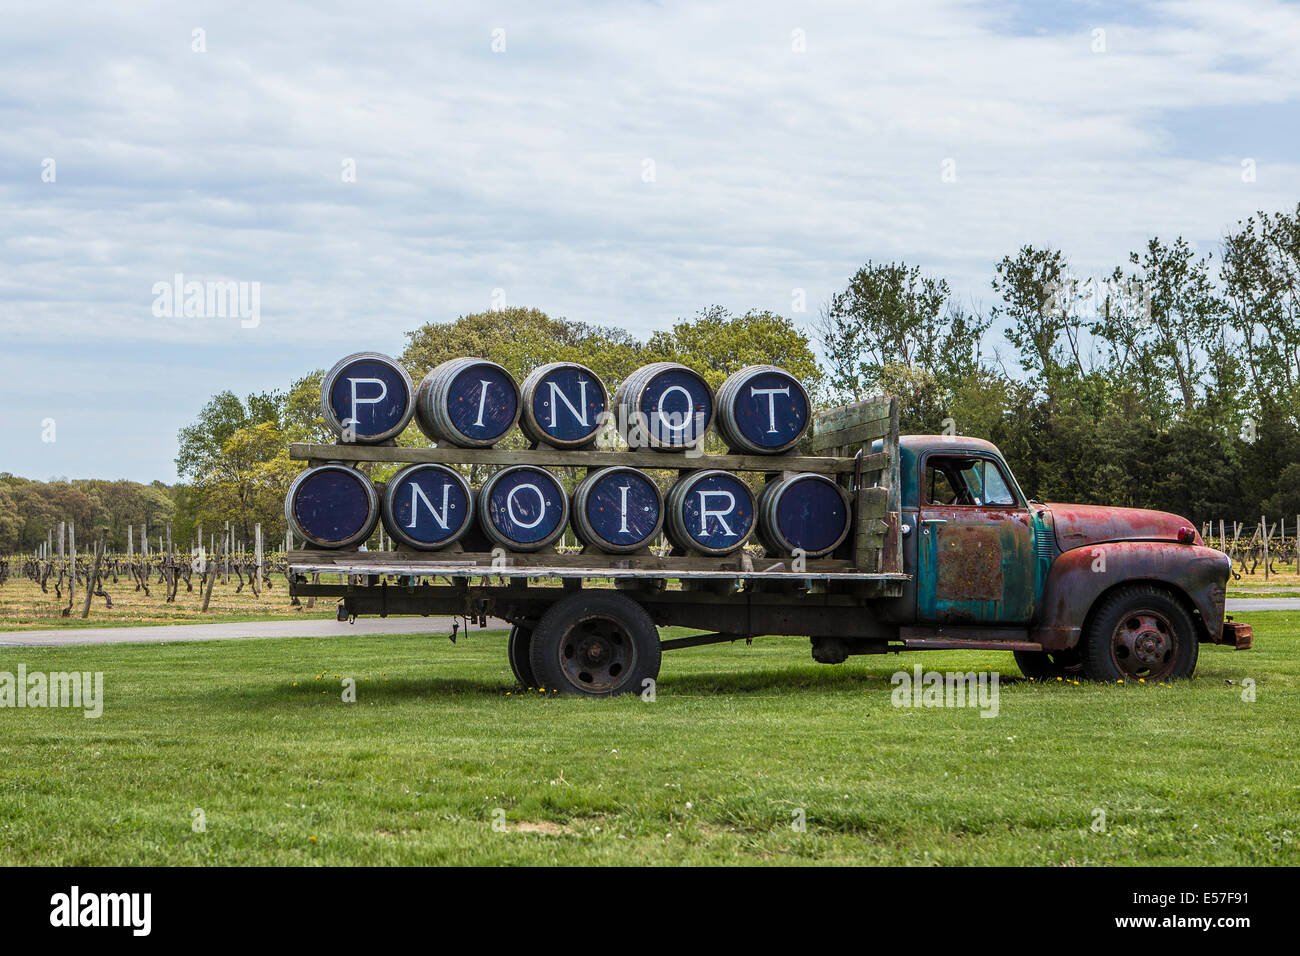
<point x="468" y="402"/>
<point x="664" y="406"/>
<point x="617" y="509"/>
<point x="427" y="506"/>
<point x="563" y="405"/>
<point x="332" y="506"/>
<point x="804" y="511"/>
<point x="711" y="512"/>
<point x="367" y="398"/>
<point x="763" y="410"/>
<point x="523" y="508"/>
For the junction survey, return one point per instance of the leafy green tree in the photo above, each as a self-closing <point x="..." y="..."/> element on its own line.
<point x="717" y="343"/>
<point x="200" y="445"/>
<point x="889" y="315"/>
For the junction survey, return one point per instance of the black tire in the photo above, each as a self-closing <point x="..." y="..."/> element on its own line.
<point x="517" y="649"/>
<point x="1139" y="632"/>
<point x="595" y="643"/>
<point x="1049" y="665"/>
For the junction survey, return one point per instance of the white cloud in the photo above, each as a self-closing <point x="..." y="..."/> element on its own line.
<point x="523" y="170"/>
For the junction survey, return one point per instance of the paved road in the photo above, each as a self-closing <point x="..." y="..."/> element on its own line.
<point x="365" y="625"/>
<point x="1242" y="605"/>
<point x="222" y="632"/>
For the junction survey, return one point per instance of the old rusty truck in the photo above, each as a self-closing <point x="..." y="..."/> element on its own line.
<point x="943" y="551"/>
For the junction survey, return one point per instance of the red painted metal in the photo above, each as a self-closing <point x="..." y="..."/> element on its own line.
<point x="1080" y="576"/>
<point x="1078" y="526"/>
<point x="1241" y="636"/>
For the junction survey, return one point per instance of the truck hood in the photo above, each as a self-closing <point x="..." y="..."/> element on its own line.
<point x="1078" y="526"/>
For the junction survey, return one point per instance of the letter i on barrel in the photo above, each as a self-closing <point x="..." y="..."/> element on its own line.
<point x="468" y="402"/>
<point x="618" y="510"/>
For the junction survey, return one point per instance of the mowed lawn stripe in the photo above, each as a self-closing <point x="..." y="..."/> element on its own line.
<point x="748" y="754"/>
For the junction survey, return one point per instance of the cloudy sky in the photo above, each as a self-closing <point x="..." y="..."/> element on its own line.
<point x="376" y="166"/>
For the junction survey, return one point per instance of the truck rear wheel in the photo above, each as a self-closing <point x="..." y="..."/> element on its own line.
<point x="517" y="649"/>
<point x="1049" y="665"/>
<point x="1139" y="632"/>
<point x="595" y="643"/>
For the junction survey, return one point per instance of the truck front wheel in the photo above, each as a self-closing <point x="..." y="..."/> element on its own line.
<point x="595" y="643"/>
<point x="1139" y="632"/>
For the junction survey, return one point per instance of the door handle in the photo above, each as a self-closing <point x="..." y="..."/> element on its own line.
<point x="926" y="522"/>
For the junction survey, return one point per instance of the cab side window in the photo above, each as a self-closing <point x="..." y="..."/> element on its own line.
<point x="940" y="485"/>
<point x="973" y="482"/>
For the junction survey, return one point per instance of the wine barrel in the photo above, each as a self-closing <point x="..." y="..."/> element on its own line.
<point x="564" y="405"/>
<point x="617" y="509"/>
<point x="803" y="511"/>
<point x="523" y="508"/>
<point x="664" y="406"/>
<point x="468" y="402"/>
<point x="763" y="410"/>
<point x="332" y="506"/>
<point x="367" y="398"/>
<point x="711" y="512"/>
<point x="427" y="506"/>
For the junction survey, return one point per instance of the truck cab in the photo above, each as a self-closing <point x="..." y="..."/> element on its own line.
<point x="1112" y="593"/>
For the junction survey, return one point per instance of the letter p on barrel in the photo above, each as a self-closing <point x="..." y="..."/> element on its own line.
<point x="367" y="398"/>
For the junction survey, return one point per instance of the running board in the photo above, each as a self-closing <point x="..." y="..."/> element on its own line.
<point x="950" y="638"/>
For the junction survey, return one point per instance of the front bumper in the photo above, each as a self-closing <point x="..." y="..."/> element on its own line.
<point x="1236" y="634"/>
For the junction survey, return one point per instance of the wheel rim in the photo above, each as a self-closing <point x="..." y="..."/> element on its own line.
<point x="597" y="654"/>
<point x="1145" y="645"/>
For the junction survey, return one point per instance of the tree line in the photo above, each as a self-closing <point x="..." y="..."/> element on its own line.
<point x="1171" y="381"/>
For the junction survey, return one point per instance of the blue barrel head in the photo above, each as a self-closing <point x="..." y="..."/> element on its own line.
<point x="677" y="406"/>
<point x="524" y="506"/>
<point x="624" y="508"/>
<point x="427" y="506"/>
<point x="717" y="512"/>
<point x="483" y="402"/>
<point x="770" y="409"/>
<point x="811" y="514"/>
<point x="332" y="506"/>
<point x="367" y="397"/>
<point x="567" y="403"/>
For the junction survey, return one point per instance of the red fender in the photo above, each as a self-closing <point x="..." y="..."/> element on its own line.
<point x="1079" y="577"/>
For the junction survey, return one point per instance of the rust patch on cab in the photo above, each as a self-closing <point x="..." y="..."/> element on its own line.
<point x="970" y="563"/>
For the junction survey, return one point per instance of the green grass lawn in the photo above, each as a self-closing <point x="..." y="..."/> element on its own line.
<point x="739" y="742"/>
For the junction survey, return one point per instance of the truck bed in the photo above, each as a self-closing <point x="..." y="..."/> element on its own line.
<point x="868" y="564"/>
